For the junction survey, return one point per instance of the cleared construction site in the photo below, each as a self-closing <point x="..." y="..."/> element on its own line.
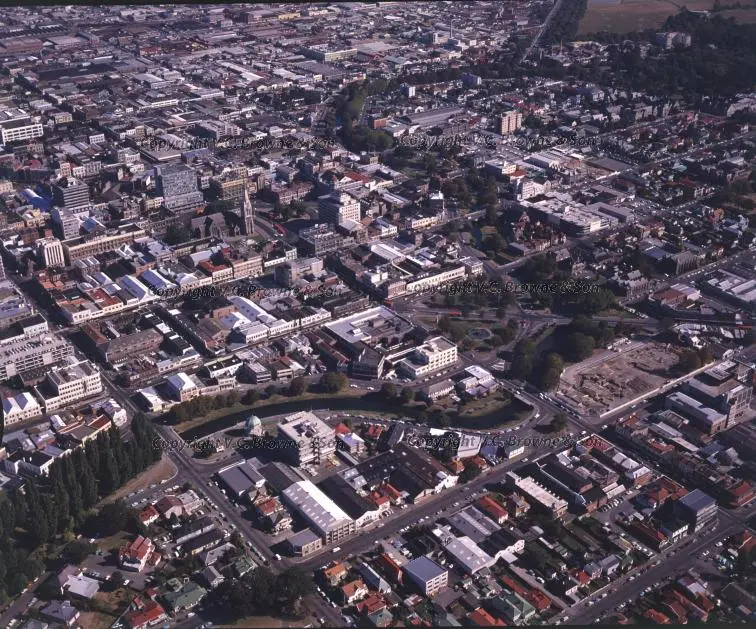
<point x="598" y="386"/>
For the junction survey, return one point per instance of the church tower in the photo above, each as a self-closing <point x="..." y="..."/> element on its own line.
<point x="247" y="215"/>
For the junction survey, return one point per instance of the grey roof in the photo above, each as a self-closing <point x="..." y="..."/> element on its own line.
<point x="697" y="500"/>
<point x="303" y="538"/>
<point x="241" y="478"/>
<point x="423" y="569"/>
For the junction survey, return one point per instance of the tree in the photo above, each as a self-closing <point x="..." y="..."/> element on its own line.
<point x="252" y="396"/>
<point x="688" y="361"/>
<point x="579" y="346"/>
<point x="116" y="579"/>
<point x="558" y="423"/>
<point x="470" y="472"/>
<point x="333" y="382"/>
<point x="271" y="390"/>
<point x="176" y="234"/>
<point x="78" y="550"/>
<point x="388" y="390"/>
<point x="113" y="517"/>
<point x="407" y="395"/>
<point x="297" y="386"/>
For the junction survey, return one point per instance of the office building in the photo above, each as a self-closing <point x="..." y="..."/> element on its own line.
<point x="71" y="194"/>
<point x="427" y="575"/>
<point x="177" y="185"/>
<point x="321" y="239"/>
<point x="50" y="252"/>
<point x="24" y="356"/>
<point x="67" y="224"/>
<point x="338" y="207"/>
<point x="306" y="438"/>
<point x="433" y="355"/>
<point x="707" y="419"/>
<point x="509" y="122"/>
<point x="16" y="126"/>
<point x="69" y="384"/>
<point x="697" y="509"/>
<point x="537" y="494"/>
<point x="323" y="515"/>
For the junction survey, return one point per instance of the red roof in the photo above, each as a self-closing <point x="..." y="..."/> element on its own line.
<point x="149" y="514"/>
<point x="138" y="549"/>
<point x="656" y="616"/>
<point x="152" y="612"/>
<point x="492" y="507"/>
<point x="342" y="429"/>
<point x="512" y="585"/>
<point x="482" y="618"/>
<point x="538" y="600"/>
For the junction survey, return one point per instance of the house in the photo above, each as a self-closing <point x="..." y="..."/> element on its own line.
<point x="149" y="515"/>
<point x="492" y="509"/>
<point x="334" y="574"/>
<point x="512" y="607"/>
<point x="481" y="618"/>
<point x="60" y="612"/>
<point x="353" y="591"/>
<point x="211" y="577"/>
<point x="185" y="598"/>
<point x="80" y="586"/>
<point x="134" y="556"/>
<point x="146" y="615"/>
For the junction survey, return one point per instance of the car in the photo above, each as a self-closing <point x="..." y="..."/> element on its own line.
<point x="278" y="557"/>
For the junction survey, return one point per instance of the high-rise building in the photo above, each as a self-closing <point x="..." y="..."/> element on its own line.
<point x="50" y="252"/>
<point x="337" y="207"/>
<point x="67" y="224"/>
<point x="311" y="439"/>
<point x="177" y="184"/>
<point x="509" y="122"/>
<point x="71" y="194"/>
<point x="2" y="269"/>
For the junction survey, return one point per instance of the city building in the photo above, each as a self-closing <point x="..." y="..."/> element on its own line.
<point x="322" y="515"/>
<point x="23" y="356"/>
<point x="509" y="122"/>
<point x="697" y="509"/>
<point x="537" y="494"/>
<point x="435" y="354"/>
<point x="16" y="126"/>
<point x="71" y="194"/>
<point x="306" y="438"/>
<point x="427" y="575"/>
<point x="50" y="252"/>
<point x="337" y="207"/>
<point x="67" y="385"/>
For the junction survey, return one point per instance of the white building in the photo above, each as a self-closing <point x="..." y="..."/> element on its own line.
<point x="20" y="408"/>
<point x="433" y="355"/>
<point x="323" y="515"/>
<point x="69" y="384"/>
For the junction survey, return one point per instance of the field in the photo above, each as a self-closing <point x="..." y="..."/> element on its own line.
<point x="622" y="16"/>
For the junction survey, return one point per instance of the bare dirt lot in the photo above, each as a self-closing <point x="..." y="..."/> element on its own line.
<point x="601" y="386"/>
<point x="162" y="470"/>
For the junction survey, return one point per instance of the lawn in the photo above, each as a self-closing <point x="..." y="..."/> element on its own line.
<point x="622" y="16"/>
